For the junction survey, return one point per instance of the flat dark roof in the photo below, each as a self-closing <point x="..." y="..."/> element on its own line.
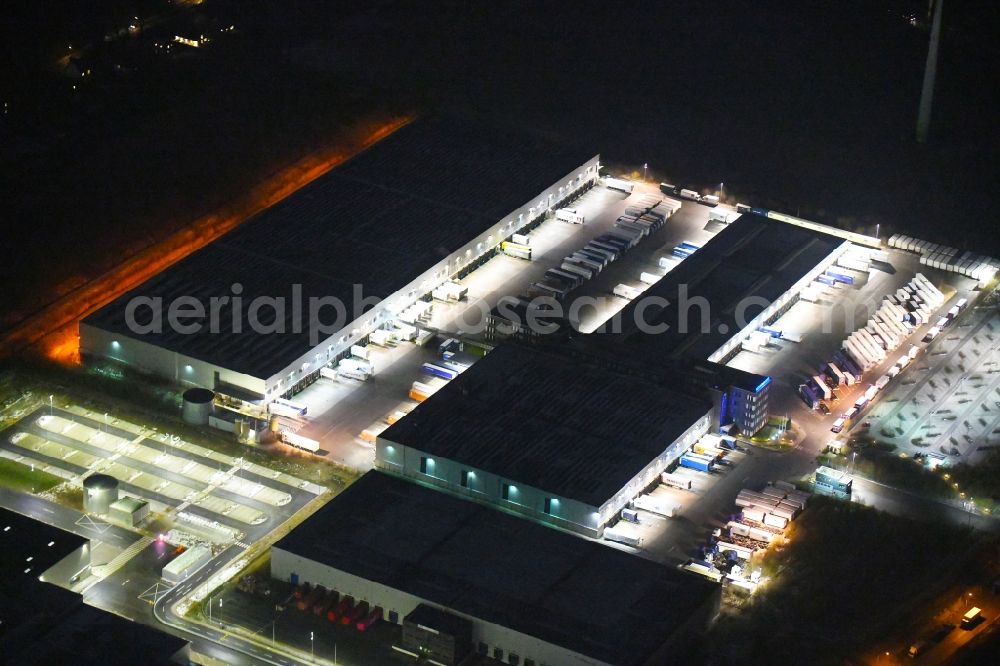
<point x="566" y="590"/>
<point x="22" y="537"/>
<point x="379" y="220"/>
<point x="44" y="624"/>
<point x="576" y="425"/>
<point x="754" y="256"/>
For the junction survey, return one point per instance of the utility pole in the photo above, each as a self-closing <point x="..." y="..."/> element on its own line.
<point x="930" y="72"/>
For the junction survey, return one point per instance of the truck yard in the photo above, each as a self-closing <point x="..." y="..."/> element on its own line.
<point x="924" y="393"/>
<point x="340" y="409"/>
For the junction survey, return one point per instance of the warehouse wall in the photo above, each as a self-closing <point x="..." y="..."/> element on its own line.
<point x="285" y="564"/>
<point x="95" y="342"/>
<point x="487" y="487"/>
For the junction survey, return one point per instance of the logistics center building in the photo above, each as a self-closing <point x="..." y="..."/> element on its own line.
<point x="562" y="437"/>
<point x="528" y="595"/>
<point x="426" y="204"/>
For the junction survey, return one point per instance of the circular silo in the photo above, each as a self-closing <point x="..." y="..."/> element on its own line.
<point x="198" y="405"/>
<point x="99" y="492"/>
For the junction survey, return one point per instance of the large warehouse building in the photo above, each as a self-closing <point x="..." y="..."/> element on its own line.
<point x="749" y="274"/>
<point x="423" y="205"/>
<point x="486" y="582"/>
<point x="561" y="437"/>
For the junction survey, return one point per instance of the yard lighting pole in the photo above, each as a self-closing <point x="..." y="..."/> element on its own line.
<point x="50" y="405"/>
<point x="644" y="167"/>
<point x="312" y="646"/>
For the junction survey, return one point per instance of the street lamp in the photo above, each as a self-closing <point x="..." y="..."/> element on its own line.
<point x="50" y="405"/>
<point x="644" y="167"/>
<point x="722" y="192"/>
<point x="312" y="646"/>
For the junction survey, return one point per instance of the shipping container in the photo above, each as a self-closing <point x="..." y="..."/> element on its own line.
<point x="675" y="481"/>
<point x="511" y="249"/>
<point x="435" y="370"/>
<point x="619" y="184"/>
<point x="612" y="534"/>
<point x="570" y="215"/>
<point x="572" y="266"/>
<point x="283" y="407"/>
<point x="695" y="463"/>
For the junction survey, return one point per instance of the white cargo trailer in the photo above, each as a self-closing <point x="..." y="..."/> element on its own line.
<point x="619" y="184"/>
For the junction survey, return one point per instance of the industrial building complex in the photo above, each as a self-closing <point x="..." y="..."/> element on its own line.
<point x="530" y="595"/>
<point x="394" y="223"/>
<point x="475" y="533"/>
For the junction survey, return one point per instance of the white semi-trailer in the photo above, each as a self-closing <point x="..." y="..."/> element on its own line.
<point x="300" y="442"/>
<point x="619" y="536"/>
<point x="626" y="292"/>
<point x="570" y="215"/>
<point x="619" y="184"/>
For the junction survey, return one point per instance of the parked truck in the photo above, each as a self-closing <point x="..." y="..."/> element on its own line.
<point x="809" y="396"/>
<point x="821" y="387"/>
<point x="619" y="536"/>
<point x="626" y="292"/>
<point x="675" y="481"/>
<point x="570" y="215"/>
<point x="619" y="184"/>
<point x="697" y="463"/>
<point x="514" y="250"/>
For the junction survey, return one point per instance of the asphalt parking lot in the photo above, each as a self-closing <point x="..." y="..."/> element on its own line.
<point x="949" y="403"/>
<point x="823" y="326"/>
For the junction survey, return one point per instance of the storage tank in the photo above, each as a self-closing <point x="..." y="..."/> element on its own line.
<point x="99" y="492"/>
<point x="198" y="405"/>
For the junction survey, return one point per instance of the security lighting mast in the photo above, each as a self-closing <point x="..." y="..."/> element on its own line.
<point x="930" y="72"/>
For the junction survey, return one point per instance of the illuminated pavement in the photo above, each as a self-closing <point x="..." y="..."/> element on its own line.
<point x="339" y="410"/>
<point x="172" y="477"/>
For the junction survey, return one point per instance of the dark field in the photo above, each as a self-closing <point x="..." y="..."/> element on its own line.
<point x="808" y="108"/>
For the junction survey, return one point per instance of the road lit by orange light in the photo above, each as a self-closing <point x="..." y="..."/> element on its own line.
<point x="54" y="331"/>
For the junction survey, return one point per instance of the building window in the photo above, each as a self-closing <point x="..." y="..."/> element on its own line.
<point x="465" y="478"/>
